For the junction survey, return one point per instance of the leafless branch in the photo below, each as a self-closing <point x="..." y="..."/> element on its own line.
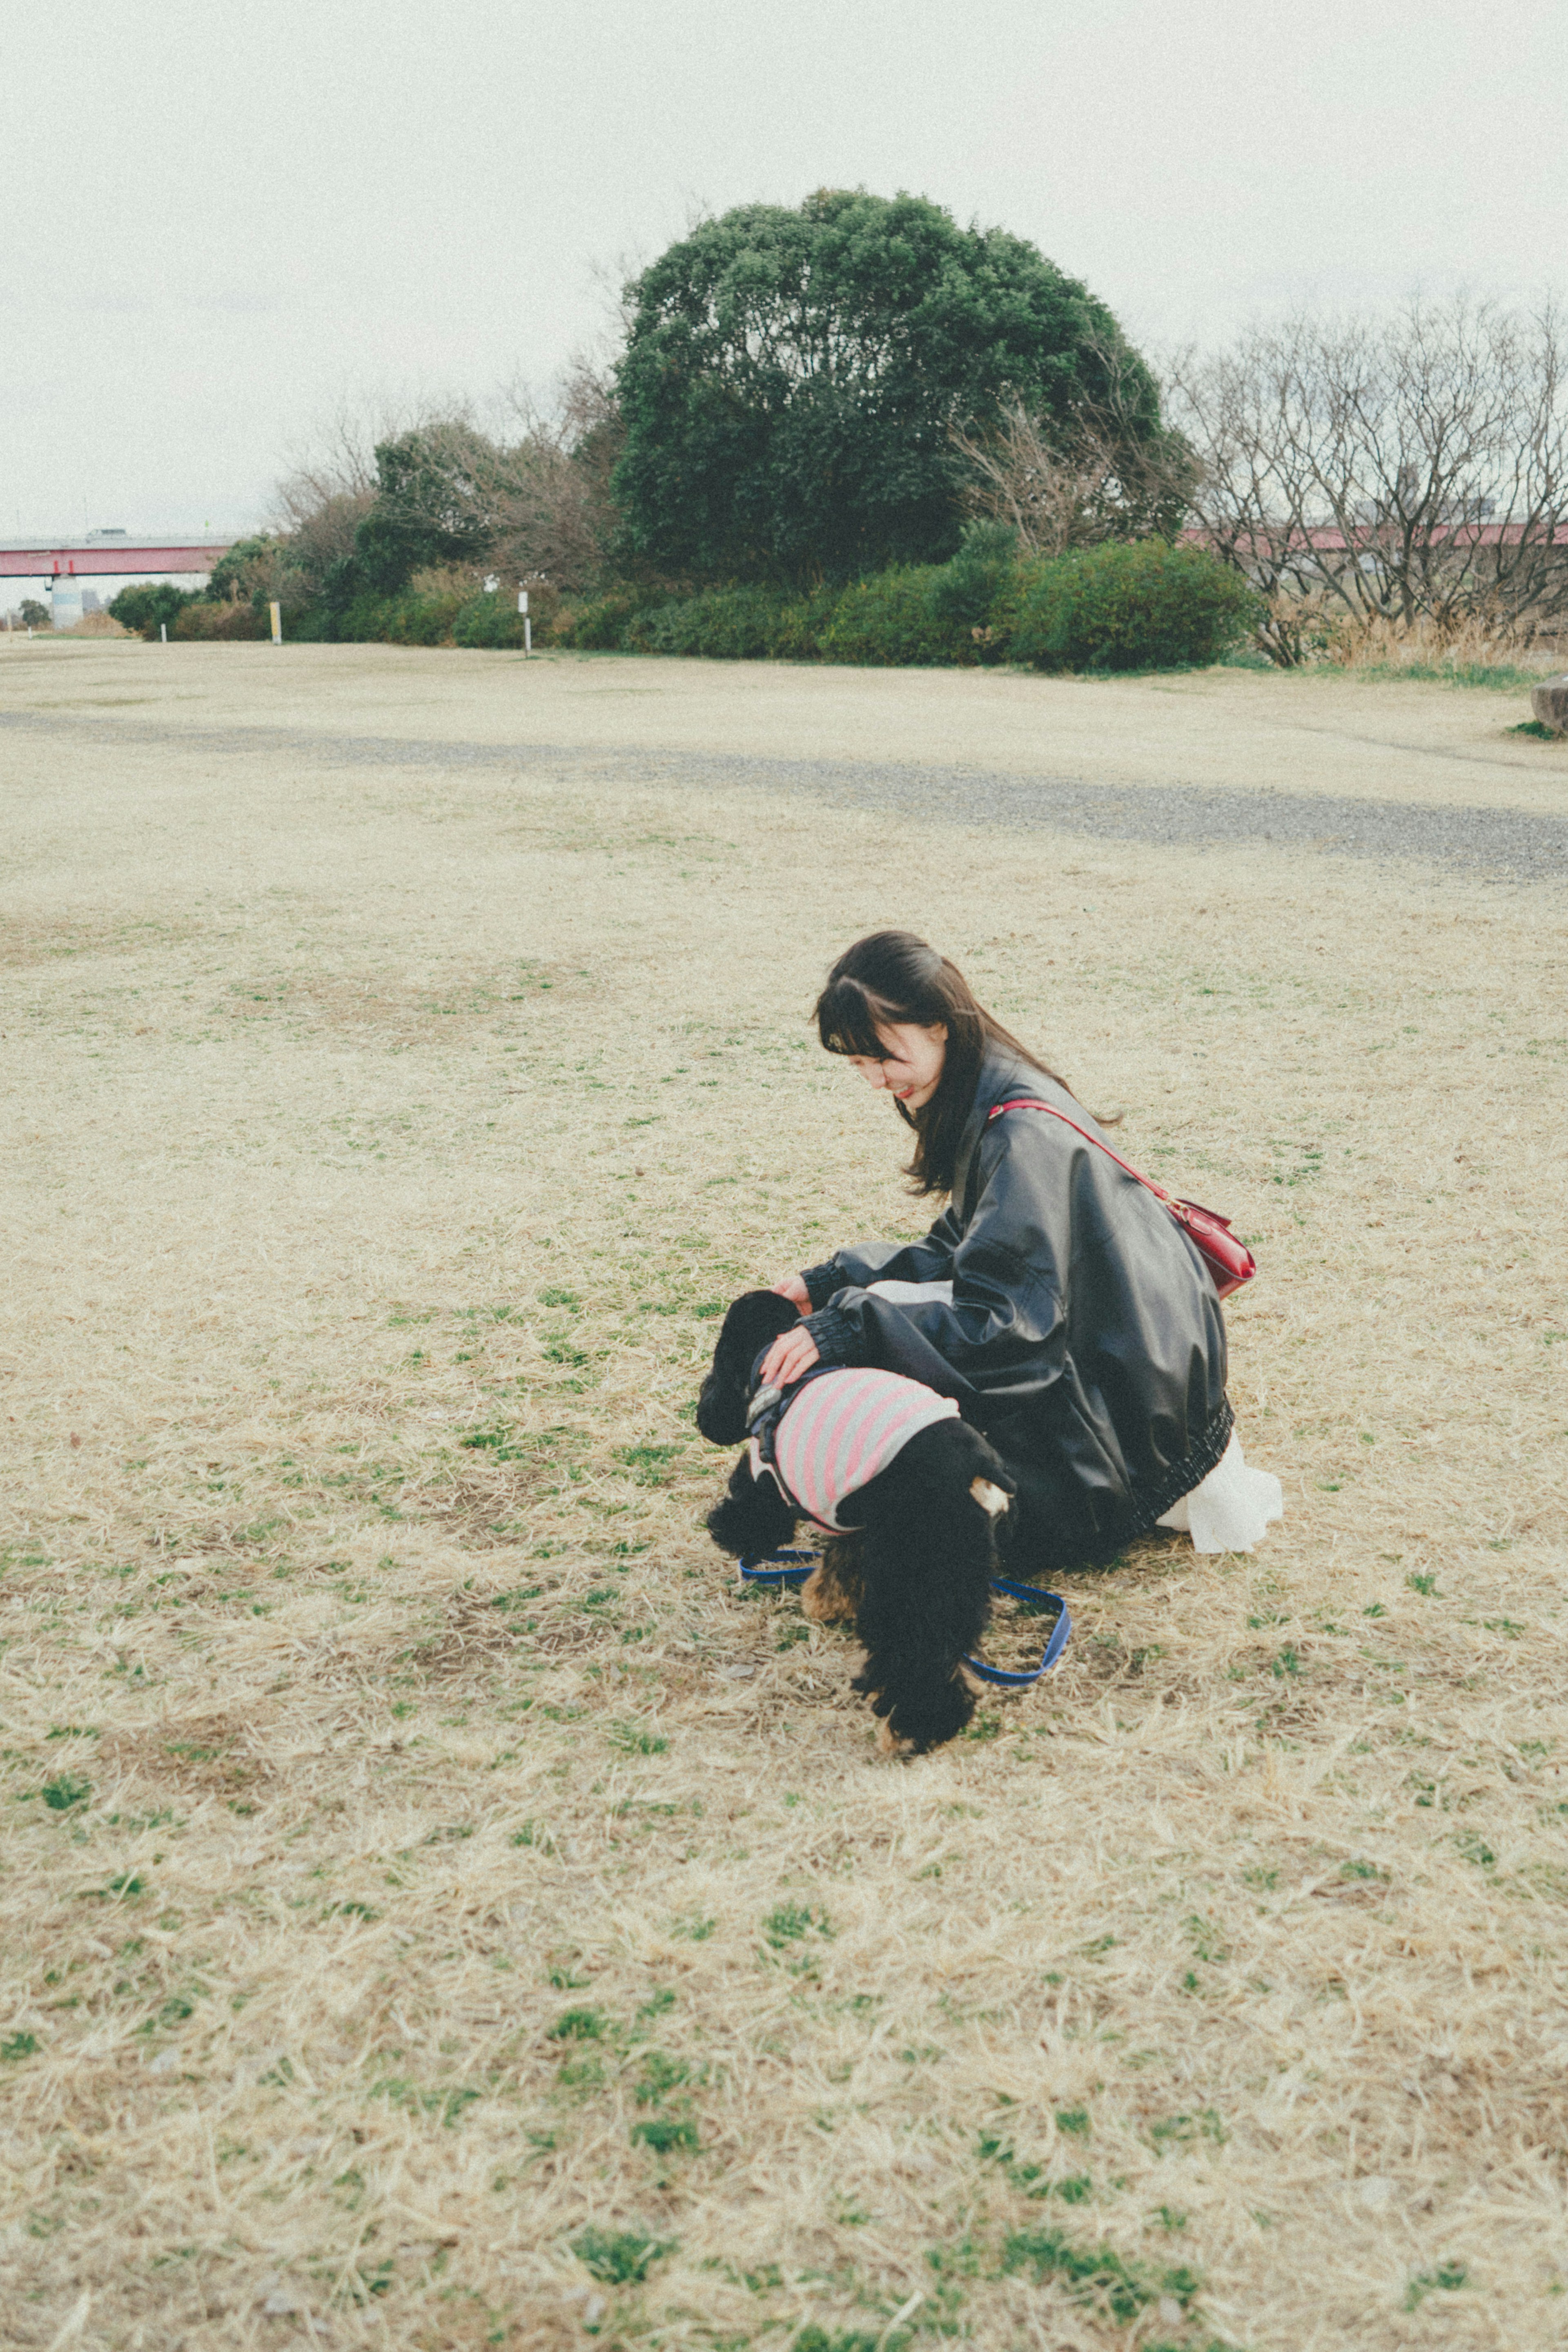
<point x="1403" y="471"/>
<point x="1102" y="475"/>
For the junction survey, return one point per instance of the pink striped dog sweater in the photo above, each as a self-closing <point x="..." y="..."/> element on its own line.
<point x="844" y="1427"/>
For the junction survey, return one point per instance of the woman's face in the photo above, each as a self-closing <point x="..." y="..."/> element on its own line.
<point x="910" y="1066"/>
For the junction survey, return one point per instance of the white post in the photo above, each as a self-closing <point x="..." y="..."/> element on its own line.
<point x="277" y="610"/>
<point x="164" y="633"/>
<point x="528" y="625"/>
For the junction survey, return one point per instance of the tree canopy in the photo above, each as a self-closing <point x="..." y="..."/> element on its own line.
<point x="792" y="380"/>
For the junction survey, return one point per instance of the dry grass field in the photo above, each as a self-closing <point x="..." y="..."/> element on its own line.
<point x="441" y="1910"/>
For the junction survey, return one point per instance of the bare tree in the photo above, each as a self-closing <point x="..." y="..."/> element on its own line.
<point x="332" y="481"/>
<point x="1102" y="475"/>
<point x="555" y="516"/>
<point x="530" y="496"/>
<point x="1413" y="469"/>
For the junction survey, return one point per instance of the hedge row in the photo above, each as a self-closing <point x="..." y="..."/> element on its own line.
<point x="1143" y="605"/>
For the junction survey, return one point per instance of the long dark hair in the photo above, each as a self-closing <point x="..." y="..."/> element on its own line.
<point x="893" y="977"/>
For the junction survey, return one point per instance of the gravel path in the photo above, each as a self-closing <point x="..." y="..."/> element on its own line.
<point x="1498" y="845"/>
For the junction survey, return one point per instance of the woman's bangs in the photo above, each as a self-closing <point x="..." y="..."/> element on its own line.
<point x="847" y="1017"/>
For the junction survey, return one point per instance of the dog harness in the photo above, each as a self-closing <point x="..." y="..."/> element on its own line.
<point x="833" y="1431"/>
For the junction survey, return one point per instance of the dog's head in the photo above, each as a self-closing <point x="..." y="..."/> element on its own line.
<point x="755" y="1320"/>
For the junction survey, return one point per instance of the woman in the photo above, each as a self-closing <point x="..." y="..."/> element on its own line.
<point x="1055" y="1297"/>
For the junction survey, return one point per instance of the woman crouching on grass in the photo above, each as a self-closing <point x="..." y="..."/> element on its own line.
<point x="1055" y="1297"/>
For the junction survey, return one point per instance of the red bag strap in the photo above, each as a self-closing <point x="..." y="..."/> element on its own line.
<point x="1024" y="1103"/>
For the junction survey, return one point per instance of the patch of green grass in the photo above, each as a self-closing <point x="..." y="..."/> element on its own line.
<point x="1425" y="1585"/>
<point x="791" y="1921"/>
<point x="1031" y="2180"/>
<point x="19" y="2045"/>
<point x="579" y="2026"/>
<point x="1182" y="2130"/>
<point x="1092" y="2275"/>
<point x="650" y="1463"/>
<point x="667" y="2135"/>
<point x="1447" y="2279"/>
<point x="61" y="1793"/>
<point x="448" y="2106"/>
<point x="1206" y="1940"/>
<point x="634" y="1741"/>
<point x="1499" y="676"/>
<point x="619" y="2257"/>
<point x="1535" y="727"/>
<point x="847" y="2340"/>
<point x="661" y="2075"/>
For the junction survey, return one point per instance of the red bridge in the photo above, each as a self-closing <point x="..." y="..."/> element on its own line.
<point x="107" y="552"/>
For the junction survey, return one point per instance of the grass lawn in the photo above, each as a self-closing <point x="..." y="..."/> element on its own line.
<point x="443" y="1911"/>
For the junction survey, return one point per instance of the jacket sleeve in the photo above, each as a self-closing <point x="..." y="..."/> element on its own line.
<point x="930" y="1260"/>
<point x="1003" y="1340"/>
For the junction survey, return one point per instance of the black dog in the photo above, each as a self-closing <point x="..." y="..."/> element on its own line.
<point x="914" y="1563"/>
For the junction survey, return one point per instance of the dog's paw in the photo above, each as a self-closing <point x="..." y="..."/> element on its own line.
<point x="824" y="1600"/>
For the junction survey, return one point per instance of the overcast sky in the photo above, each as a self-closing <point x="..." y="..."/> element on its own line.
<point x="221" y="220"/>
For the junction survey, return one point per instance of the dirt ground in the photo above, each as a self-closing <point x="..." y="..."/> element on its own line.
<point x="442" y="1910"/>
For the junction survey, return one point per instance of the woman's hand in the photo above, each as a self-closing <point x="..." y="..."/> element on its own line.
<point x="790" y="1357"/>
<point x="790" y="1286"/>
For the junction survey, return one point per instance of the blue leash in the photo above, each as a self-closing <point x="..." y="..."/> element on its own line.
<point x="795" y="1567"/>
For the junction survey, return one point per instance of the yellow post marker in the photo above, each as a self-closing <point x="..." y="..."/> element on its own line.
<point x="276" y="612"/>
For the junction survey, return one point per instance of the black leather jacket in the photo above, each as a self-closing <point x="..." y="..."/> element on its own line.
<point x="1084" y="1340"/>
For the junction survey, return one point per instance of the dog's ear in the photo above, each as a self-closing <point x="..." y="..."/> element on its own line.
<point x="755" y="1317"/>
<point x="753" y="1516"/>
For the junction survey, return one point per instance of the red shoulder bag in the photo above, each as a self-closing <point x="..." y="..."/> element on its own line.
<point x="1228" y="1260"/>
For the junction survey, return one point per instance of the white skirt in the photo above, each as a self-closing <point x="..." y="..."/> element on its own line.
<point x="1229" y="1512"/>
<point x="1231" y="1508"/>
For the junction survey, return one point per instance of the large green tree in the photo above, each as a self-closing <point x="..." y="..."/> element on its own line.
<point x="791" y="382"/>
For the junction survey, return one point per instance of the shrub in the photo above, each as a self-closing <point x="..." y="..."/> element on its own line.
<point x="364" y="621"/>
<point x="34" y="614"/>
<point x="966" y="589"/>
<point x="801" y="624"/>
<point x="598" y="626"/>
<point x="1144" y="606"/>
<point x="423" y="618"/>
<point x="489" y="619"/>
<point x="224" y="622"/>
<point x="725" y="624"/>
<point x="149" y="605"/>
<point x="892" y="618"/>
